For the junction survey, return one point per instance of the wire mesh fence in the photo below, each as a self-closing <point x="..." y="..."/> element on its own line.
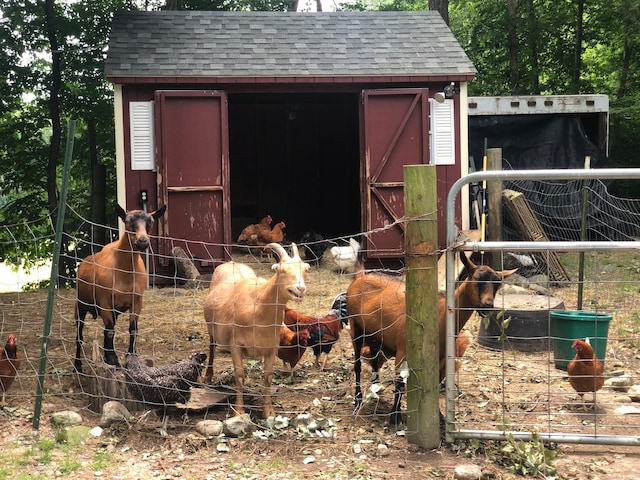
<point x="500" y="386"/>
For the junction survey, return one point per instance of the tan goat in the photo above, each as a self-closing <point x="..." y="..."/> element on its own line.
<point x="113" y="281"/>
<point x="244" y="315"/>
<point x="377" y="318"/>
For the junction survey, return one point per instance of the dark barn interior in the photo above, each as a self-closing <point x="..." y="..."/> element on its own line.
<point x="295" y="157"/>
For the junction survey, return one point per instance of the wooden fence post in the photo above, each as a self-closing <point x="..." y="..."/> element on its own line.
<point x="421" y="241"/>
<point x="494" y="204"/>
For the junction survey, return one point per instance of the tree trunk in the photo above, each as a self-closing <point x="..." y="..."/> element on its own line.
<point x="577" y="54"/>
<point x="54" y="109"/>
<point x="98" y="186"/>
<point x="512" y="34"/>
<point x="441" y="6"/>
<point x="533" y="46"/>
<point x="65" y="269"/>
<point x="627" y="51"/>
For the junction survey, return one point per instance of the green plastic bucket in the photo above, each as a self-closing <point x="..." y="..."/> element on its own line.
<point x="570" y="325"/>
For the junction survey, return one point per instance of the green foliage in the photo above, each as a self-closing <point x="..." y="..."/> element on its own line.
<point x="502" y="322"/>
<point x="69" y="465"/>
<point x="530" y="458"/>
<point x="101" y="460"/>
<point x="527" y="458"/>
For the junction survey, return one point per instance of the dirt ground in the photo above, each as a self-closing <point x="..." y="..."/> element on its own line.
<point x="497" y="389"/>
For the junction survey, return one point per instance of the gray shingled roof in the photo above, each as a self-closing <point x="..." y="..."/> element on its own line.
<point x="267" y="44"/>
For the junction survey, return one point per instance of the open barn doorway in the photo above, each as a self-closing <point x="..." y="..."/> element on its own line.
<point x="295" y="157"/>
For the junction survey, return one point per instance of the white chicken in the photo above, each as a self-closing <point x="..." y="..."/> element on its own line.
<point x="345" y="257"/>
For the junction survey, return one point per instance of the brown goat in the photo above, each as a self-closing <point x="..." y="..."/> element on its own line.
<point x="377" y="317"/>
<point x="244" y="315"/>
<point x="113" y="281"/>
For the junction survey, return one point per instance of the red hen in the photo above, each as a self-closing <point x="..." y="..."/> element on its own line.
<point x="324" y="331"/>
<point x="254" y="229"/>
<point x="293" y="344"/>
<point x="9" y="365"/>
<point x="585" y="371"/>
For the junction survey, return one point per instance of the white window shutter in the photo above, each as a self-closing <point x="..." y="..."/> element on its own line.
<point x="142" y="136"/>
<point x="442" y="135"/>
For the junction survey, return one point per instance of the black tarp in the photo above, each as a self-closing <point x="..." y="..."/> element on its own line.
<point x="552" y="141"/>
<point x="531" y="142"/>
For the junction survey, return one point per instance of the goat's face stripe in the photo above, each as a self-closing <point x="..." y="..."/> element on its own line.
<point x="137" y="224"/>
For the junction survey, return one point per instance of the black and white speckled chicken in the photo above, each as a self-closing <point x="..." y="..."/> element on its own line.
<point x="164" y="385"/>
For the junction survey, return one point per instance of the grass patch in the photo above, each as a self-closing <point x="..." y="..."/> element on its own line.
<point x="69" y="465"/>
<point x="101" y="460"/>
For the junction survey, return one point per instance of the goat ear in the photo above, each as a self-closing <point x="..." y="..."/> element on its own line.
<point x="466" y="261"/>
<point x="121" y="212"/>
<point x="159" y="212"/>
<point x="506" y="273"/>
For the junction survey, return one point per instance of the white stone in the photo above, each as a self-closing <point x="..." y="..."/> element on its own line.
<point x="467" y="472"/>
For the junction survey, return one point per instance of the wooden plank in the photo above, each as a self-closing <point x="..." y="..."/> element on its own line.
<point x="531" y="230"/>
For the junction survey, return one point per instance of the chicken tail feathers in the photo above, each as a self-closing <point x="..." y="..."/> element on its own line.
<point x="339" y="308"/>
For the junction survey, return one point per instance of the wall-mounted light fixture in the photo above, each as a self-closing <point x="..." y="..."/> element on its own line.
<point x="450" y="90"/>
<point x="447" y="92"/>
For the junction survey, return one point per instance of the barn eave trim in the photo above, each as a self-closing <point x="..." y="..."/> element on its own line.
<point x="347" y="79"/>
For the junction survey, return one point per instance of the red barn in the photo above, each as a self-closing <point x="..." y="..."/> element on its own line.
<point x="309" y="117"/>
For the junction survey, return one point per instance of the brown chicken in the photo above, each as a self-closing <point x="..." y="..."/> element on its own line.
<point x="264" y="237"/>
<point x="9" y="365"/>
<point x="250" y="231"/>
<point x="586" y="373"/>
<point x="293" y="344"/>
<point x="324" y="331"/>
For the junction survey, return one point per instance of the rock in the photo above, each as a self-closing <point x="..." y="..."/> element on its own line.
<point x="237" y="426"/>
<point x="114" y="412"/>
<point x="620" y="384"/>
<point x="66" y="418"/>
<point x="78" y="434"/>
<point x="467" y="472"/>
<point x="621" y="399"/>
<point x="627" y="410"/>
<point x="209" y="428"/>
<point x="634" y="393"/>
<point x="510" y="289"/>
<point x="383" y="450"/>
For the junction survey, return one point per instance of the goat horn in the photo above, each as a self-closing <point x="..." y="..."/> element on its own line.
<point x="279" y="249"/>
<point x="294" y="250"/>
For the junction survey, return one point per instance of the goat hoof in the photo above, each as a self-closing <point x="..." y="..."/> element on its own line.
<point x="112" y="360"/>
<point x="77" y="367"/>
<point x="395" y="419"/>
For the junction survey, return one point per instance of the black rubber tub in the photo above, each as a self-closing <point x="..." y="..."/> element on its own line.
<point x="530" y="327"/>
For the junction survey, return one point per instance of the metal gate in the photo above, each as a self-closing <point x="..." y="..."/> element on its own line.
<point x="528" y="394"/>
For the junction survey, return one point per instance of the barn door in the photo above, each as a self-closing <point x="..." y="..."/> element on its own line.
<point x="193" y="173"/>
<point x="394" y="132"/>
